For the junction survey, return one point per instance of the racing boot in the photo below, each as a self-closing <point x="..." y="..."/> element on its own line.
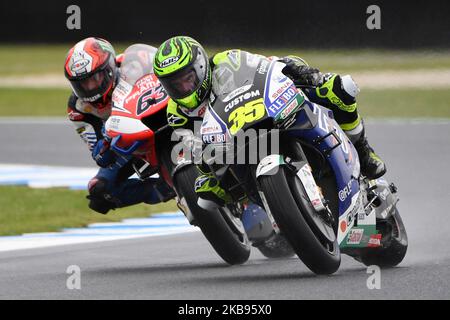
<point x="371" y="164"/>
<point x="211" y="194"/>
<point x="99" y="199"/>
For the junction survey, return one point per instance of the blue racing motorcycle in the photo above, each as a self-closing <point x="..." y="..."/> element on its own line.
<point x="269" y="145"/>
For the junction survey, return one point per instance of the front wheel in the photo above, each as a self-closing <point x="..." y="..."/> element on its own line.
<point x="219" y="227"/>
<point x="299" y="221"/>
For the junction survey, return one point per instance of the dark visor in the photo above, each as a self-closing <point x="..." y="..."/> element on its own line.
<point x="181" y="84"/>
<point x="93" y="87"/>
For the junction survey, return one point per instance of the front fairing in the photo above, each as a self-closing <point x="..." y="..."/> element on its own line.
<point x="242" y="98"/>
<point x="137" y="96"/>
<point x="323" y="132"/>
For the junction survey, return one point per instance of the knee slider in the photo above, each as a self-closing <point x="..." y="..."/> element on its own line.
<point x="341" y="92"/>
<point x="349" y="86"/>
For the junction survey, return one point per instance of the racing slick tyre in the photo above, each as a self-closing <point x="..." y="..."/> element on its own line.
<point x="230" y="243"/>
<point x="300" y="223"/>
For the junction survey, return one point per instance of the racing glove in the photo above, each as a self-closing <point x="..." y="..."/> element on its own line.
<point x="300" y="73"/>
<point x="102" y="154"/>
<point x="191" y="142"/>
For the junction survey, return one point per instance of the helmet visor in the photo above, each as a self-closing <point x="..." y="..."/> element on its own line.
<point x="94" y="86"/>
<point x="186" y="81"/>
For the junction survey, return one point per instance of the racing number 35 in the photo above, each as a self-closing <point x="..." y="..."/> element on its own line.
<point x="250" y="112"/>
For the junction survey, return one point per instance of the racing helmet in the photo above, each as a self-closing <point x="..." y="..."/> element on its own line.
<point x="181" y="65"/>
<point x="91" y="69"/>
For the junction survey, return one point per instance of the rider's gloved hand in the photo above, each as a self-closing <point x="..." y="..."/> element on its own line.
<point x="301" y="73"/>
<point x="191" y="142"/>
<point x="102" y="154"/>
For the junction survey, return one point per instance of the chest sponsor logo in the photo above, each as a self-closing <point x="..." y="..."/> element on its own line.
<point x="241" y="99"/>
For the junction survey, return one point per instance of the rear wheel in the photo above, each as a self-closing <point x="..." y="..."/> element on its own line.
<point x="394" y="243"/>
<point x="221" y="229"/>
<point x="312" y="239"/>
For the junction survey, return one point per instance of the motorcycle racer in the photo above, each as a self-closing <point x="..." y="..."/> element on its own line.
<point x="182" y="66"/>
<point x="92" y="69"/>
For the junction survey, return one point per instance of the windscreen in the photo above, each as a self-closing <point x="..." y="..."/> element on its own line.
<point x="138" y="62"/>
<point x="229" y="75"/>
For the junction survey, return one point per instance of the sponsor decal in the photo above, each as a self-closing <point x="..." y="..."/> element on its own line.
<point x="169" y="61"/>
<point x="374" y="241"/>
<point x="141" y="86"/>
<point x="79" y="65"/>
<point x="355" y="236"/>
<point x="174" y="120"/>
<point x="354" y="212"/>
<point x="208" y="129"/>
<point x="93" y="99"/>
<point x="113" y="123"/>
<point x="344" y="193"/>
<point x="236" y="92"/>
<point x="200" y="182"/>
<point x="201" y="111"/>
<point x="214" y="138"/>
<point x="312" y="190"/>
<point x="289" y="109"/>
<point x="121" y="91"/>
<point x="80" y="62"/>
<point x="147" y="82"/>
<point x="210" y="125"/>
<point x="242" y="98"/>
<point x="349" y="216"/>
<point x="281" y="90"/>
<point x="283" y="100"/>
<point x="343" y="226"/>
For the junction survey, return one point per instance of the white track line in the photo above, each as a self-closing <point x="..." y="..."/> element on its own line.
<point x="156" y="225"/>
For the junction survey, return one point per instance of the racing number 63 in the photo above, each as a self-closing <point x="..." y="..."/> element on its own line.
<point x="250" y="112"/>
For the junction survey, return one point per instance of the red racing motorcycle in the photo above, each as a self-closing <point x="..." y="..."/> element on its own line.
<point x="138" y="127"/>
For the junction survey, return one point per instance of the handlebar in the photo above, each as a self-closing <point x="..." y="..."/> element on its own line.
<point x="125" y="152"/>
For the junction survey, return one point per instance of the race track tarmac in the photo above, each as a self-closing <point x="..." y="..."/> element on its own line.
<point x="184" y="266"/>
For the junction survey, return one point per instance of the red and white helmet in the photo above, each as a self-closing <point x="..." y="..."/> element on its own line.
<point x="91" y="69"/>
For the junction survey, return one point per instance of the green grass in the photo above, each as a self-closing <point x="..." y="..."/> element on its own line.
<point x="33" y="102"/>
<point x="345" y="60"/>
<point x="373" y="103"/>
<point x="26" y="210"/>
<point x="404" y="103"/>
<point x="38" y="59"/>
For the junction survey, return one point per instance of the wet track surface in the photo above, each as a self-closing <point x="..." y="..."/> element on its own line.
<point x="184" y="266"/>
